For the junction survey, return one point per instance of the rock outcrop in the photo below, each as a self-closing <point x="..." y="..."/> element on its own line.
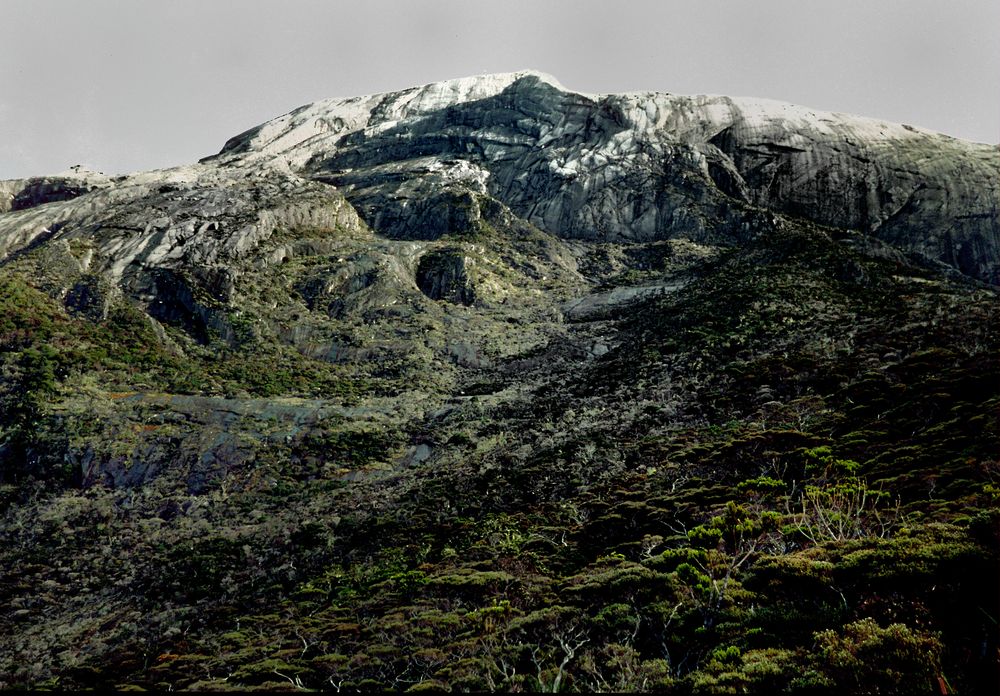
<point x="639" y="166"/>
<point x="419" y="163"/>
<point x="20" y="194"/>
<point x="177" y="241"/>
<point x="444" y="275"/>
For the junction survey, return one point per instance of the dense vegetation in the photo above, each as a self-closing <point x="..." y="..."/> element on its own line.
<point x="784" y="478"/>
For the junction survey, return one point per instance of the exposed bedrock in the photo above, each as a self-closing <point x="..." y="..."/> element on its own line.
<point x="639" y="166"/>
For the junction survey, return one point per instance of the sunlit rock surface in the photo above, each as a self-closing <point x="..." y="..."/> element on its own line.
<point x="641" y="166"/>
<point x="628" y="167"/>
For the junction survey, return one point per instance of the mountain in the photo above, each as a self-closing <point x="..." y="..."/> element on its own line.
<point x="492" y="385"/>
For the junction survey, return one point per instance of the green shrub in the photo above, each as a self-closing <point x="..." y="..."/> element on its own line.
<point x="866" y="658"/>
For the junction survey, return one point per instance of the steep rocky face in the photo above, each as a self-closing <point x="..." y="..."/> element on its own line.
<point x="641" y="166"/>
<point x="921" y="191"/>
<point x="18" y="194"/>
<point x="420" y="163"/>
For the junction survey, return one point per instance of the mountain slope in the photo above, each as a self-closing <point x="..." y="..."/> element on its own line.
<point x="491" y="385"/>
<point x="645" y="165"/>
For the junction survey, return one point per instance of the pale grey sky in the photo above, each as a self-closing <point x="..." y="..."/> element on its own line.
<point x="121" y="85"/>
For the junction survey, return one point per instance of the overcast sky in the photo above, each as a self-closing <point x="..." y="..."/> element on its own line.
<point x="121" y="85"/>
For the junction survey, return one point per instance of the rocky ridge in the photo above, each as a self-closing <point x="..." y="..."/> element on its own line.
<point x="629" y="167"/>
<point x="640" y="166"/>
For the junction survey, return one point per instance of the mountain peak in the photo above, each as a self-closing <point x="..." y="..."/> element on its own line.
<point x="639" y="165"/>
<point x="340" y="114"/>
<point x="490" y="83"/>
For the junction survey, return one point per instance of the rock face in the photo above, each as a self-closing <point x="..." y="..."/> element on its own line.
<point x="443" y="275"/>
<point x="639" y="166"/>
<point x="174" y="240"/>
<point x="19" y="194"/>
<point x="628" y="167"/>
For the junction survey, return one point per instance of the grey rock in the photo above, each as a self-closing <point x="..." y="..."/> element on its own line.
<point x="602" y="303"/>
<point x="9" y="188"/>
<point x="444" y="275"/>
<point x="640" y="166"/>
<point x="20" y="194"/>
<point x="91" y="296"/>
<point x="179" y="241"/>
<point x="418" y="454"/>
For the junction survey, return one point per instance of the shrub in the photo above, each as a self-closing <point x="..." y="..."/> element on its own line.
<point x="870" y="659"/>
<point x="846" y="510"/>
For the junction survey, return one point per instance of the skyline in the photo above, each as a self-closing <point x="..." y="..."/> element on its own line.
<point x="129" y="85"/>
